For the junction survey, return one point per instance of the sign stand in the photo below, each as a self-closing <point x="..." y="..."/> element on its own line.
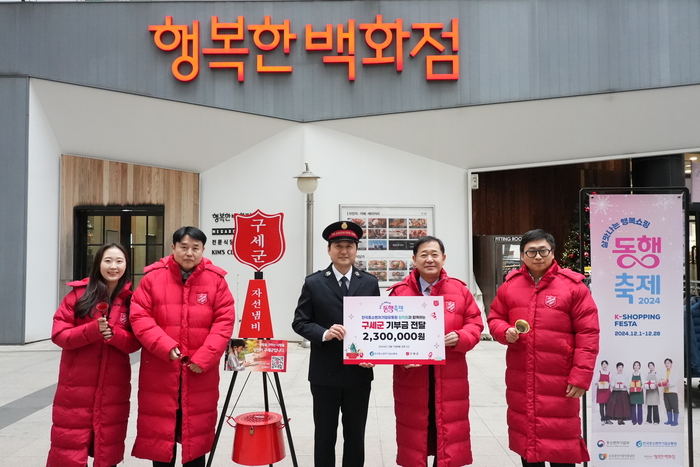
<point x="258" y="242"/>
<point x="283" y="407"/>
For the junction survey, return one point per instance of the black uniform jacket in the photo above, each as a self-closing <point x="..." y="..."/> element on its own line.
<point x="321" y="306"/>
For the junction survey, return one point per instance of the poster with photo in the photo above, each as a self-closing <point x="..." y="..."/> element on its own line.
<point x="256" y="355"/>
<point x="389" y="233"/>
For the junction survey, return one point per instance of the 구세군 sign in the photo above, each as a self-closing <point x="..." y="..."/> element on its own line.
<point x="394" y="330"/>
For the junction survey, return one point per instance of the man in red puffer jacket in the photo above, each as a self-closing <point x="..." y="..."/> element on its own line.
<point x="549" y="367"/>
<point x="431" y="402"/>
<point x="182" y="312"/>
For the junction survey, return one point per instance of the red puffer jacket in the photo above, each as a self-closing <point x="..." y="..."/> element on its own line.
<point x="560" y="349"/>
<point x="462" y="315"/>
<point x="91" y="406"/>
<point x="197" y="317"/>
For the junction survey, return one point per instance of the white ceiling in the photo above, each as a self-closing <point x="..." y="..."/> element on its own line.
<point x="112" y="125"/>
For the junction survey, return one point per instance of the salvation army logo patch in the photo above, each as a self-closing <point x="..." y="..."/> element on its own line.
<point x="450" y="306"/>
<point x="550" y="300"/>
<point x="202" y="298"/>
<point x="122" y="318"/>
<point x="435" y="303"/>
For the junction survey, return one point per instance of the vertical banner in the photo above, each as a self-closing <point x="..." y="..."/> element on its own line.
<point x="637" y="252"/>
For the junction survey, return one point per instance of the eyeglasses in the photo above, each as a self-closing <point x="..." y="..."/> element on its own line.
<point x="533" y="253"/>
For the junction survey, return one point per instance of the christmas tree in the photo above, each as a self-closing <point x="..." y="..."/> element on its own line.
<point x="571" y="256"/>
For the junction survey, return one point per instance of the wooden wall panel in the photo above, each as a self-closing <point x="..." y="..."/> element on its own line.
<point x="95" y="182"/>
<point x="511" y="202"/>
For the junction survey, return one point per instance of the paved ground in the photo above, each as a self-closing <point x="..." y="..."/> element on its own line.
<point x="27" y="383"/>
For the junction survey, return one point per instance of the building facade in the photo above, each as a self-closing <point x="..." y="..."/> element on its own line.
<point x="216" y="106"/>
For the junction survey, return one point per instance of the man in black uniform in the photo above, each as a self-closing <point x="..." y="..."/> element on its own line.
<point x="319" y="318"/>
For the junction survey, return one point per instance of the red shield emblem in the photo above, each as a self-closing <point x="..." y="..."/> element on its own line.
<point x="122" y="318"/>
<point x="450" y="306"/>
<point x="202" y="298"/>
<point x="550" y="301"/>
<point x="258" y="239"/>
<point x="435" y="303"/>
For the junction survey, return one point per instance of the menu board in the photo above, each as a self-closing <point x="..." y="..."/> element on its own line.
<point x="389" y="233"/>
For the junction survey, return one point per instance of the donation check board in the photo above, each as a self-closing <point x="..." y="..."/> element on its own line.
<point x="394" y="330"/>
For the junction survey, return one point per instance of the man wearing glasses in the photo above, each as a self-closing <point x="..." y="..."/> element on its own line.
<point x="550" y="359"/>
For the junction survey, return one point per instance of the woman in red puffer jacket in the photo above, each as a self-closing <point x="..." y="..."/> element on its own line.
<point x="91" y="406"/>
<point x="431" y="402"/>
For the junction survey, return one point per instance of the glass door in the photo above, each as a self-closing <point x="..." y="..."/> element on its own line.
<point x="138" y="228"/>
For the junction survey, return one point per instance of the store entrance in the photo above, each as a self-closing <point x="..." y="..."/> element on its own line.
<point x="138" y="228"/>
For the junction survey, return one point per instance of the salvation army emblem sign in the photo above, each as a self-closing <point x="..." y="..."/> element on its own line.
<point x="258" y="240"/>
<point x="550" y="301"/>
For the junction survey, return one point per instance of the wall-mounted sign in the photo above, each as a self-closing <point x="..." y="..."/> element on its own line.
<point x="384" y="43"/>
<point x="389" y="233"/>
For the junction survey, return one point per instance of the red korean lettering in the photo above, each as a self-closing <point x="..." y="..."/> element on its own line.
<point x="323" y="40"/>
<point x="228" y="33"/>
<point x="431" y="60"/>
<point x="280" y="33"/>
<point x="390" y="31"/>
<point x="182" y="37"/>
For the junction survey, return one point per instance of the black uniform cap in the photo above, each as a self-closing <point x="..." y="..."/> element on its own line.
<point x="342" y="230"/>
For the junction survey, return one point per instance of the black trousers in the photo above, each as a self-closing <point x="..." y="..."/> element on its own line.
<point x="653" y="414"/>
<point x="603" y="412"/>
<point x="329" y="401"/>
<point x="198" y="462"/>
<point x="541" y="464"/>
<point x="671" y="402"/>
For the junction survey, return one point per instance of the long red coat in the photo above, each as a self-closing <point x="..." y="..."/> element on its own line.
<point x="91" y="406"/>
<point x="463" y="316"/>
<point x="560" y="349"/>
<point x="197" y="317"/>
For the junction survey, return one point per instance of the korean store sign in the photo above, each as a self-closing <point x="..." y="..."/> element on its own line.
<point x="224" y="45"/>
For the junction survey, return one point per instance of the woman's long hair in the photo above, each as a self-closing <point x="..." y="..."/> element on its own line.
<point x="96" y="291"/>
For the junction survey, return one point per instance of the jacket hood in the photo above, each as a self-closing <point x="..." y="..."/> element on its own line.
<point x="126" y="290"/>
<point x="553" y="270"/>
<point x="413" y="281"/>
<point x="169" y="262"/>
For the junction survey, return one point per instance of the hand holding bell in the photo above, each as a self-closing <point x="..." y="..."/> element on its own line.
<point x="513" y="334"/>
<point x="522" y="326"/>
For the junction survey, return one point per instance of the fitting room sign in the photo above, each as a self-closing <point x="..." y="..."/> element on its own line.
<point x="227" y="43"/>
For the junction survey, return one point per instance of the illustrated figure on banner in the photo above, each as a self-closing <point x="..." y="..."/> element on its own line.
<point x="603" y="392"/>
<point x="651" y="394"/>
<point x="669" y="386"/>
<point x="637" y="394"/>
<point x="619" y="407"/>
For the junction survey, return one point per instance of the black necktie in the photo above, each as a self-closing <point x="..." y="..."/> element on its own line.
<point x="344" y="285"/>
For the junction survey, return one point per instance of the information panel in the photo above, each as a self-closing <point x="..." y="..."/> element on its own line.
<point x="637" y="252"/>
<point x="396" y="330"/>
<point x="389" y="234"/>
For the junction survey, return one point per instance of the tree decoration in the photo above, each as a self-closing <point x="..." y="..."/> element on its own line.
<point x="571" y="254"/>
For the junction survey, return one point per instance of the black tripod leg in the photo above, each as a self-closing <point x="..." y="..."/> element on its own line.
<point x="221" y="419"/>
<point x="286" y="421"/>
